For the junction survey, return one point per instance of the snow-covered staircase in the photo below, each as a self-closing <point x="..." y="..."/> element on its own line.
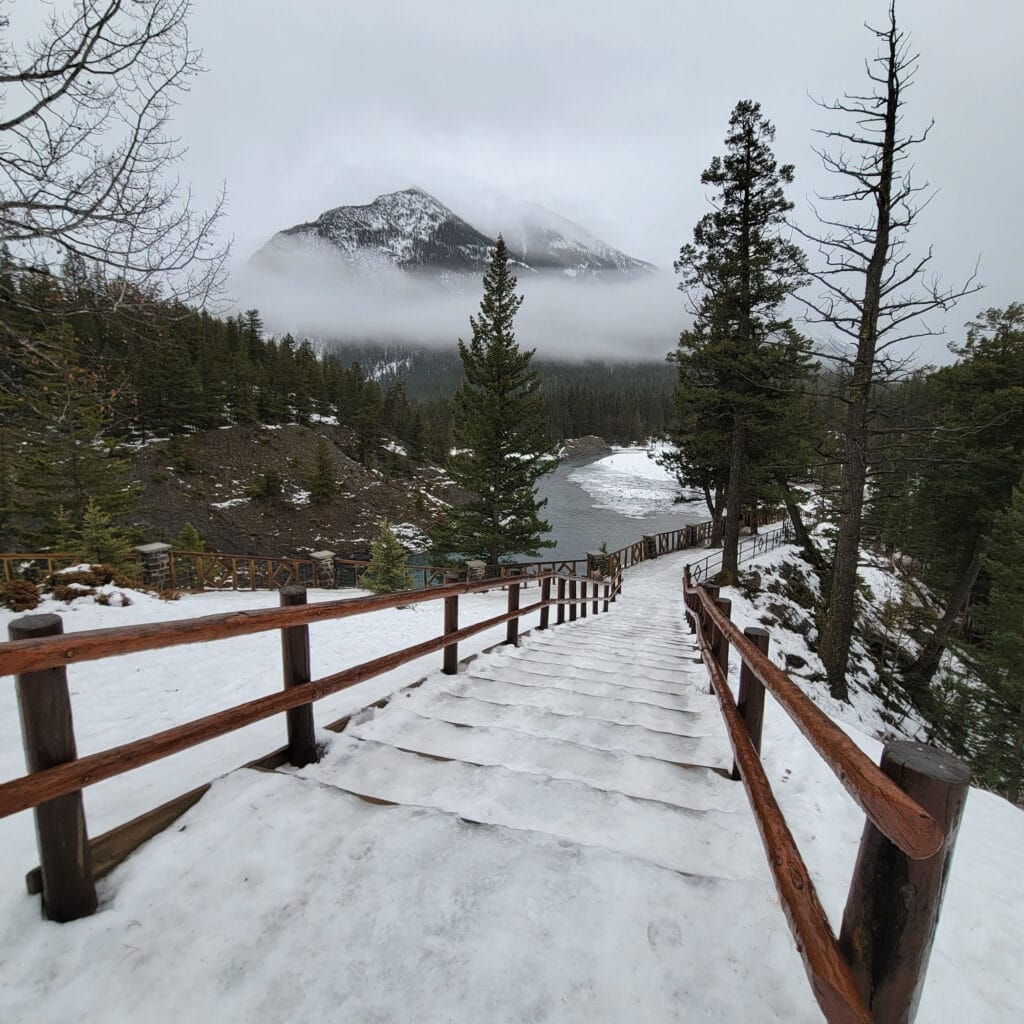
<point x="599" y="733"/>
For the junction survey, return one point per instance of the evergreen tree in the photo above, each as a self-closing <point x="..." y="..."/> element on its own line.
<point x="501" y="437"/>
<point x="189" y="539"/>
<point x="103" y="543"/>
<point x="323" y="484"/>
<point x="1000" y="658"/>
<point x="739" y="362"/>
<point x="387" y="572"/>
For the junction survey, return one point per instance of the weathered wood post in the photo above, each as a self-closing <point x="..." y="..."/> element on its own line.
<point x="893" y="906"/>
<point x="545" y="596"/>
<point x="451" y="623"/>
<point x="572" y="600"/>
<point x="560" y="614"/>
<point x="512" y="627"/>
<point x="607" y="593"/>
<point x="295" y="658"/>
<point x="750" y="699"/>
<point x="724" y="605"/>
<point x="48" y="735"/>
<point x="594" y="609"/>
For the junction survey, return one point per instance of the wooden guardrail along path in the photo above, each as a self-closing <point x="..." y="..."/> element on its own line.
<point x="581" y="706"/>
<point x="913" y="803"/>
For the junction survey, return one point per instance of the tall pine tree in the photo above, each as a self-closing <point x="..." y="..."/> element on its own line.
<point x="740" y="359"/>
<point x="501" y="436"/>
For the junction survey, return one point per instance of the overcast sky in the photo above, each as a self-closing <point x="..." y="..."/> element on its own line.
<point x="605" y="110"/>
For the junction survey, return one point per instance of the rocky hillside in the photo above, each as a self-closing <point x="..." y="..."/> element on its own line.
<point x="210" y="479"/>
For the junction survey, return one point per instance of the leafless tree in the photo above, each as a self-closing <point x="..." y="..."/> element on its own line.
<point x="875" y="292"/>
<point x="87" y="160"/>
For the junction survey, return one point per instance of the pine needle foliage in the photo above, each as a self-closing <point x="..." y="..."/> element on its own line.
<point x="502" y="445"/>
<point x="387" y="572"/>
<point x="323" y="484"/>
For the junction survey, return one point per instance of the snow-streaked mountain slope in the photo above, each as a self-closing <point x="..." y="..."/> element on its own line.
<point x="413" y="231"/>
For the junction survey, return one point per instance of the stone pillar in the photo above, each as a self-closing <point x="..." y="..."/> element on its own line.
<point x="597" y="565"/>
<point x="650" y="543"/>
<point x="156" y="565"/>
<point x="324" y="568"/>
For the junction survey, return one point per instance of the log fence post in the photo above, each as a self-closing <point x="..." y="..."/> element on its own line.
<point x="584" y="587"/>
<point x="48" y="735"/>
<point x="295" y="659"/>
<point x="545" y="597"/>
<point x="572" y="600"/>
<point x="607" y="591"/>
<point x="451" y="624"/>
<point x="560" y="614"/>
<point x="893" y="906"/>
<point x="594" y="609"/>
<point x="512" y="627"/>
<point x="750" y="698"/>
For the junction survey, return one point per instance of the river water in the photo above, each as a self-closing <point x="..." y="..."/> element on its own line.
<point x="614" y="500"/>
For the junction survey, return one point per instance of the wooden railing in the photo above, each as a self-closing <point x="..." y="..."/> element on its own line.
<point x="34" y="565"/>
<point x="874" y="972"/>
<point x="38" y="655"/>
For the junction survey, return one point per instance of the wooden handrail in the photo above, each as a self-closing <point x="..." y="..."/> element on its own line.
<point x="897" y="816"/>
<point x="831" y="979"/>
<point x="30" y="790"/>
<point x="19" y="656"/>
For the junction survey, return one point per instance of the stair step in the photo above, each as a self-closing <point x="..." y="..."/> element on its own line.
<point x="513" y="672"/>
<point x="665" y="657"/>
<point x="546" y="698"/>
<point x="713" y="843"/>
<point x="582" y="661"/>
<point x="617" y="771"/>
<point x="665" y="745"/>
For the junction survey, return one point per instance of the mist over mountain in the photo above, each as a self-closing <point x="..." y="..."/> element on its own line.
<point x="407" y="268"/>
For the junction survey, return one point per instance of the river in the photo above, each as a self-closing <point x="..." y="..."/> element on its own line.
<point x="612" y="499"/>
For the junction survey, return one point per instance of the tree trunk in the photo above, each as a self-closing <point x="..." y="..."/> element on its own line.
<point x="734" y="502"/>
<point x="803" y="538"/>
<point x="928" y="661"/>
<point x="837" y="631"/>
<point x="716" y="518"/>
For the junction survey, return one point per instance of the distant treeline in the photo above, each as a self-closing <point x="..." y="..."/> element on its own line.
<point x="620" y="402"/>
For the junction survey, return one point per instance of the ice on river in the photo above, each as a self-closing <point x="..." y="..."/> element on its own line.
<point x="629" y="482"/>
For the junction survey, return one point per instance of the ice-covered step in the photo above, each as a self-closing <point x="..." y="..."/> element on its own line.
<point x="583" y="662"/>
<point x="558" y="678"/>
<point x="710" y="843"/>
<point x="671" y="746"/>
<point x="614" y="770"/>
<point x="595" y="647"/>
<point x="608" y="709"/>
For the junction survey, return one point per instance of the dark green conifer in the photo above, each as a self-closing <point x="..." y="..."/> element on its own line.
<point x="502" y="445"/>
<point x="387" y="572"/>
<point x="323" y="484"/>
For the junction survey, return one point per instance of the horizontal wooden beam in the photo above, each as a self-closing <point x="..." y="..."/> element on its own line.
<point x="896" y="815"/>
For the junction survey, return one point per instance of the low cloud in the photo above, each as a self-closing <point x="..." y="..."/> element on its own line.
<point x="562" y="318"/>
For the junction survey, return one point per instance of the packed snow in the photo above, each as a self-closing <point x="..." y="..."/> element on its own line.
<point x="548" y="859"/>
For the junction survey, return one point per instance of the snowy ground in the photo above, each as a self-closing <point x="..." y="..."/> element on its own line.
<point x="125" y="698"/>
<point x="601" y="882"/>
<point x="629" y="482"/>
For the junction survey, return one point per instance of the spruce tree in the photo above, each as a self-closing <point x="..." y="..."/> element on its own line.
<point x="387" y="572"/>
<point x="740" y="360"/>
<point x="323" y="484"/>
<point x="501" y="437"/>
<point x="1000" y="657"/>
<point x="103" y="543"/>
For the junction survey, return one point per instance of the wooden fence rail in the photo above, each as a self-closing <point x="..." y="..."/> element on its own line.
<point x="874" y="973"/>
<point x="38" y="655"/>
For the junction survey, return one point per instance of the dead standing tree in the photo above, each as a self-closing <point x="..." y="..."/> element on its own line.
<point x="875" y="291"/>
